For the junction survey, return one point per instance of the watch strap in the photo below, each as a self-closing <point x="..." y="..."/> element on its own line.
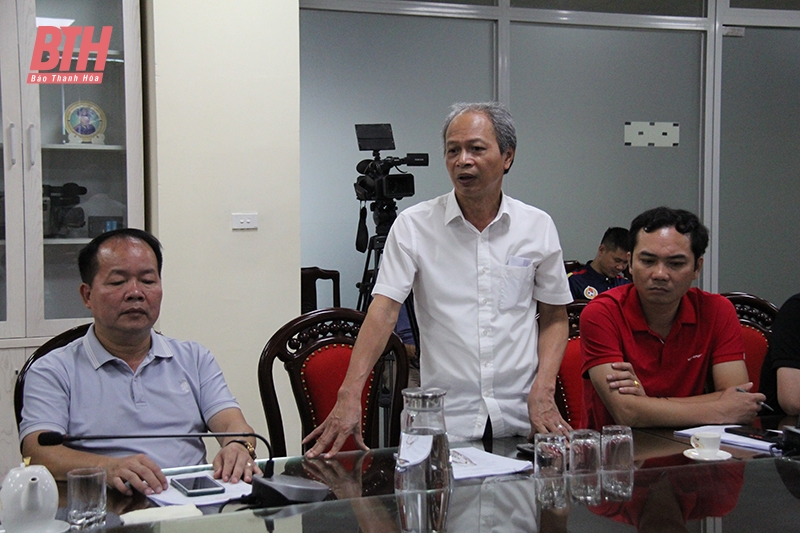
<point x="250" y="448"/>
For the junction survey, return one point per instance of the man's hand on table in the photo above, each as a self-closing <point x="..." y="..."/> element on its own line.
<point x="137" y="472"/>
<point x="544" y="415"/>
<point x="737" y="405"/>
<point x="233" y="463"/>
<point x="344" y="420"/>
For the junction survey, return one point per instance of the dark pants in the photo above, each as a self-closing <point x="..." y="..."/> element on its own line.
<point x="487" y="436"/>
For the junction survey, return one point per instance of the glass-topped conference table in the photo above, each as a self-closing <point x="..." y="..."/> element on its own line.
<point x="750" y="492"/>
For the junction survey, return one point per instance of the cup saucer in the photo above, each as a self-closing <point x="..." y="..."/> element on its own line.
<point x="694" y="455"/>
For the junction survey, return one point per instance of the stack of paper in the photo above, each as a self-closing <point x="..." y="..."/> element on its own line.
<point x="728" y="438"/>
<point x="472" y="462"/>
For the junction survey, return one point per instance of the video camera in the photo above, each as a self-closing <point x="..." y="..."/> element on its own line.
<point x="375" y="181"/>
<point x="60" y="211"/>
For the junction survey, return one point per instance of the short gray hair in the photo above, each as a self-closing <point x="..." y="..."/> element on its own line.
<point x="501" y="119"/>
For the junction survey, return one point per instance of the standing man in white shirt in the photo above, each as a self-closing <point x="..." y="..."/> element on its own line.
<point x="490" y="292"/>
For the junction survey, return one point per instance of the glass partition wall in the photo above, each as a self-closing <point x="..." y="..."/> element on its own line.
<point x="573" y="90"/>
<point x="574" y="74"/>
<point x="760" y="162"/>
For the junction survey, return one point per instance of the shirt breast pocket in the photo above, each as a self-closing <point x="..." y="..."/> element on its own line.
<point x="516" y="287"/>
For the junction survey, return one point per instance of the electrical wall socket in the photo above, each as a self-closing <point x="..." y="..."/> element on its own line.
<point x="659" y="134"/>
<point x="244" y="221"/>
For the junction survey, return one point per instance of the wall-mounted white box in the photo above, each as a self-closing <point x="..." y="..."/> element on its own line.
<point x="244" y="221"/>
<point x="658" y="134"/>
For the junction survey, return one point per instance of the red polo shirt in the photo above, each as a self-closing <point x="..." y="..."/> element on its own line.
<point x="706" y="332"/>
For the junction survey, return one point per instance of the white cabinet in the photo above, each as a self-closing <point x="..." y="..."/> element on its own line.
<point x="58" y="190"/>
<point x="72" y="158"/>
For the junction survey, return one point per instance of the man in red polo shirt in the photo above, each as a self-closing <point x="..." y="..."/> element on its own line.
<point x="650" y="347"/>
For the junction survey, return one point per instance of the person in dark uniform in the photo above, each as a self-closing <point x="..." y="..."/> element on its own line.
<point x="780" y="374"/>
<point x="605" y="271"/>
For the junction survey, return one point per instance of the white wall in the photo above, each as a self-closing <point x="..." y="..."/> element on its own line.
<point x="223" y="105"/>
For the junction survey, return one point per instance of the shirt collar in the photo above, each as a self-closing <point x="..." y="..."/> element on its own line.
<point x="452" y="210"/>
<point x="687" y="312"/>
<point x="99" y="356"/>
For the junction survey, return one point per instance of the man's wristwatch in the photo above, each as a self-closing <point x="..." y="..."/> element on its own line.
<point x="250" y="448"/>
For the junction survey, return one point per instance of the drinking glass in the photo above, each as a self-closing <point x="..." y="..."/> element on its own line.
<point x="551" y="459"/>
<point x="617" y="478"/>
<point x="584" y="466"/>
<point x="86" y="498"/>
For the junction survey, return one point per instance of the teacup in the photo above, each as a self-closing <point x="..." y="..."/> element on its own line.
<point x="706" y="443"/>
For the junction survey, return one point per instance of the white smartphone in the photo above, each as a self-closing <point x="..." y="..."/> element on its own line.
<point x="201" y="485"/>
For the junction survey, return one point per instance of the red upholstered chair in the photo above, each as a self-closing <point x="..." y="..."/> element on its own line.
<point x="315" y="350"/>
<point x="756" y="316"/>
<point x="756" y="345"/>
<point x="753" y="310"/>
<point x="569" y="383"/>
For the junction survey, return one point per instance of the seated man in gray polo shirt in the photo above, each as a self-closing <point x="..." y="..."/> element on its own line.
<point x="124" y="378"/>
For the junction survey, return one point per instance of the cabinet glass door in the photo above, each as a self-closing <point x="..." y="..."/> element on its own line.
<point x="12" y="275"/>
<point x="6" y="144"/>
<point x="82" y="188"/>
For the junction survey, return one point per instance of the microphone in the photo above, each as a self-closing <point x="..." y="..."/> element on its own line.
<point x="363" y="166"/>
<point x="367" y="166"/>
<point x="53" y="438"/>
<point x="268" y="491"/>
<point x="416" y="160"/>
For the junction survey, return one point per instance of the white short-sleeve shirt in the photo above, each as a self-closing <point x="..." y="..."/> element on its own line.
<point x="475" y="296"/>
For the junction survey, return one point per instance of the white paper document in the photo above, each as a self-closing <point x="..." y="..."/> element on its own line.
<point x="173" y="496"/>
<point x="727" y="438"/>
<point x="472" y="462"/>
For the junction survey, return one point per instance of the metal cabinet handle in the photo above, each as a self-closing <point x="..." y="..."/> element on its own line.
<point x="12" y="136"/>
<point x="31" y="151"/>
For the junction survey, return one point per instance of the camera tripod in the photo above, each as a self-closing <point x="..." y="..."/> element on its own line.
<point x="385" y="213"/>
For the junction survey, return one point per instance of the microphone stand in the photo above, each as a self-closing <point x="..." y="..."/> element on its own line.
<point x="268" y="491"/>
<point x="52" y="438"/>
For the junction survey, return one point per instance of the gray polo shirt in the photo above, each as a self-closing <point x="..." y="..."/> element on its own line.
<point x="81" y="389"/>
